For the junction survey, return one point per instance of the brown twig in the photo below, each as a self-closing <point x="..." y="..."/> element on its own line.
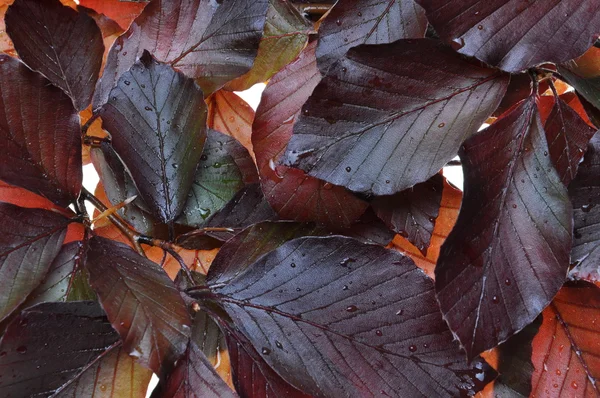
<point x="317" y="9"/>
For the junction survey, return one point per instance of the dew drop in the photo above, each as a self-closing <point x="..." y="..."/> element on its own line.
<point x="147" y="108"/>
<point x="293" y="265"/>
<point x="441" y="125"/>
<point x="545" y="153"/>
<point x="507" y="282"/>
<point x="127" y="82"/>
<point x="278" y="344"/>
<point x="412" y="348"/>
<point x="338" y="22"/>
<point x="574" y="385"/>
<point x="327" y="186"/>
<point x="514" y="206"/>
<point x="555" y="385"/>
<point x="204" y="213"/>
<point x="495" y="300"/>
<point x="305" y="112"/>
<point x="344" y="69"/>
<point x="425" y="345"/>
<point x="480" y="27"/>
<point x="387" y="181"/>
<point x="265" y="351"/>
<point x="587" y="208"/>
<point x="346" y="261"/>
<point x="360" y="14"/>
<point x="558" y="372"/>
<point x="102" y="387"/>
<point x="399" y="312"/>
<point x="175" y="165"/>
<point x="348" y="169"/>
<point x="345" y="287"/>
<point x="203" y="157"/>
<point x="351" y="308"/>
<point x="217" y="165"/>
<point x="22" y="349"/>
<point x="379" y="333"/>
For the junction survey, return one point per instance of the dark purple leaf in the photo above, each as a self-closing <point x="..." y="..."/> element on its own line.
<point x="351" y="23"/>
<point x="368" y="229"/>
<point x="587" y="86"/>
<point x="412" y="212"/>
<point x="584" y="192"/>
<point x="245" y="248"/>
<point x="210" y="41"/>
<point x="518" y="89"/>
<point x="195" y="377"/>
<point x="142" y="303"/>
<point x="30" y="239"/>
<point x="41" y="143"/>
<point x="514" y="34"/>
<point x="62" y="44"/>
<point x="508" y="253"/>
<point x="219" y="177"/>
<point x="389" y="116"/>
<point x="567" y="136"/>
<point x="119" y="186"/>
<point x="50" y="345"/>
<point x="156" y="118"/>
<point x="247" y="207"/>
<point x="293" y="194"/>
<point x="252" y="376"/>
<point x="335" y="317"/>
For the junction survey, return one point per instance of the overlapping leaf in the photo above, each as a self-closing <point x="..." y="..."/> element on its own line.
<point x="565" y="350"/>
<point x="386" y="117"/>
<point x="231" y="115"/>
<point x="335" y="317"/>
<point x="285" y="35"/>
<point x="584" y="192"/>
<point x="508" y="254"/>
<point x="123" y="12"/>
<point x="30" y="239"/>
<point x="156" y="118"/>
<point x="62" y="44"/>
<point x="51" y="345"/>
<point x="513" y="34"/>
<point x="412" y="212"/>
<point x="224" y="167"/>
<point x="351" y="23"/>
<point x="141" y="302"/>
<point x="567" y="135"/>
<point x="583" y="73"/>
<point x="41" y="143"/>
<point x="293" y="194"/>
<point x="212" y="42"/>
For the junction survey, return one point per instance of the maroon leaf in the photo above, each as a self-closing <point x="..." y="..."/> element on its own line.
<point x="351" y="23"/>
<point x="293" y="194"/>
<point x="584" y="192"/>
<point x="368" y="229"/>
<point x="62" y="44"/>
<point x="252" y="376"/>
<point x="157" y="118"/>
<point x="41" y="143"/>
<point x="389" y="116"/>
<point x="212" y="42"/>
<point x="141" y="302"/>
<point x="247" y="207"/>
<point x="30" y="239"/>
<point x="48" y="346"/>
<point x="513" y="34"/>
<point x="508" y="254"/>
<point x="567" y="135"/>
<point x="195" y="377"/>
<point x="335" y="317"/>
<point x="225" y="165"/>
<point x="412" y="212"/>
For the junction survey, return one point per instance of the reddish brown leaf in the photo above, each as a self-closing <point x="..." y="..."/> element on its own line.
<point x="566" y="350"/>
<point x="412" y="213"/>
<point x="159" y="137"/>
<point x="212" y="42"/>
<point x="389" y="116"/>
<point x="513" y="34"/>
<point x="62" y="44"/>
<point x="122" y="12"/>
<point x="30" y="239"/>
<point x="41" y="143"/>
<point x="293" y="194"/>
<point x="351" y="23"/>
<point x="141" y="302"/>
<point x="508" y="254"/>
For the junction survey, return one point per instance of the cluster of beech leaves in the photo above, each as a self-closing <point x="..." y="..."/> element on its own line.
<point x="313" y="247"/>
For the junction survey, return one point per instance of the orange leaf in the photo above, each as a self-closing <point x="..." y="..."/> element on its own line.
<point x="449" y="207"/>
<point x="231" y="115"/>
<point x="122" y="12"/>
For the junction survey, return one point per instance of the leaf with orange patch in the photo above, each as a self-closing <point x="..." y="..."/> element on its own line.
<point x="122" y="12"/>
<point x="231" y="115"/>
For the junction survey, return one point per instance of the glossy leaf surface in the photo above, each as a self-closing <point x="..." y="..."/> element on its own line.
<point x="412" y="212"/>
<point x="566" y="349"/>
<point x="212" y="42"/>
<point x="30" y="239"/>
<point x="48" y="346"/>
<point x="351" y="23"/>
<point x="387" y="117"/>
<point x="508" y="254"/>
<point x="513" y="34"/>
<point x="293" y="194"/>
<point x="141" y="302"/>
<point x="348" y="319"/>
<point x="62" y="44"/>
<point x="156" y="118"/>
<point x="42" y="144"/>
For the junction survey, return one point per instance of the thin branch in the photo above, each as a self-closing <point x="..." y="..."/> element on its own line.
<point x="87" y="124"/>
<point x="316" y="9"/>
